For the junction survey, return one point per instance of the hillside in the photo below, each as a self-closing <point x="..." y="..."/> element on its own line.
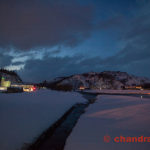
<point x="94" y="80"/>
<point x="10" y="75"/>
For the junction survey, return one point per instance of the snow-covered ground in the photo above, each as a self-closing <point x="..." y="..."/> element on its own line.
<point x="24" y="116"/>
<point x="113" y="116"/>
<point x="106" y="91"/>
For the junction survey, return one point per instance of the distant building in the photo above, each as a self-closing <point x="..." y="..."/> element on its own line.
<point x="133" y="87"/>
<point x="81" y="88"/>
<point x="3" y="89"/>
<point x="26" y="87"/>
<point x="5" y="83"/>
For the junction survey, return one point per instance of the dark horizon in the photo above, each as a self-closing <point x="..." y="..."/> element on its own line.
<point x="16" y="73"/>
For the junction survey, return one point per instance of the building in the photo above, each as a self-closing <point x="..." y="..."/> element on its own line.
<point x="81" y="88"/>
<point x="25" y="86"/>
<point x="133" y="87"/>
<point x="5" y="83"/>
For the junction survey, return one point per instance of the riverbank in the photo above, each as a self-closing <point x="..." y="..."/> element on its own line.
<point x="55" y="137"/>
<point x="116" y="92"/>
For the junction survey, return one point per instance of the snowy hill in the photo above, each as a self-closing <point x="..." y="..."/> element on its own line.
<point x="10" y="75"/>
<point x="94" y="80"/>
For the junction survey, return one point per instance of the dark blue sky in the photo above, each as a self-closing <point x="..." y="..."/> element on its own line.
<point x="46" y="39"/>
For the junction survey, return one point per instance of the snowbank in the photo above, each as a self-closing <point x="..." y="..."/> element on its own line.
<point x="24" y="116"/>
<point x="105" y="91"/>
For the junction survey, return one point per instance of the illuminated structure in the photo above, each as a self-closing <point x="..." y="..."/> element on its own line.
<point x="133" y="87"/>
<point x="29" y="88"/>
<point x="25" y="87"/>
<point x="81" y="88"/>
<point x="5" y="83"/>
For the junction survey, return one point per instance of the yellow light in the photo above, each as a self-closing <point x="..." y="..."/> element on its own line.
<point x="82" y="88"/>
<point x="3" y="88"/>
<point x="5" y="83"/>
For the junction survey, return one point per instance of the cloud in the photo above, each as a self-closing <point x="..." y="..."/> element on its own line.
<point x="5" y="60"/>
<point x="30" y="24"/>
<point x="133" y="58"/>
<point x="134" y="33"/>
<point x="51" y="67"/>
<point x="47" y="68"/>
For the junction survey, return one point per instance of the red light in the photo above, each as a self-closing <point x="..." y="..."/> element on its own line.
<point x="33" y="88"/>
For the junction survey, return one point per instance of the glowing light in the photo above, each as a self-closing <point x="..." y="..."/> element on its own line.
<point x="82" y="88"/>
<point x="3" y="88"/>
<point x="29" y="89"/>
<point x="33" y="88"/>
<point x="5" y="83"/>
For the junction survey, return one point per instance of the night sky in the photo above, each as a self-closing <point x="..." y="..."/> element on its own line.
<point x="43" y="39"/>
